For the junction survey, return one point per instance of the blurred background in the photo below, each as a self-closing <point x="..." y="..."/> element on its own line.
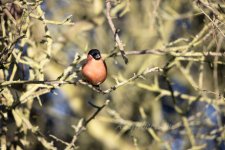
<point x="180" y="108"/>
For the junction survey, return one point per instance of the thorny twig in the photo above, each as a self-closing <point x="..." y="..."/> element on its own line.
<point x="57" y="82"/>
<point x="8" y="51"/>
<point x="116" y="35"/>
<point x="80" y="128"/>
<point x="53" y="84"/>
<point x="172" y="53"/>
<point x="83" y="123"/>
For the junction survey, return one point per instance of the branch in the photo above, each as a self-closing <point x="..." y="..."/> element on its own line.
<point x="54" y="83"/>
<point x="96" y="112"/>
<point x="112" y="26"/>
<point x="173" y="53"/>
<point x="66" y="21"/>
<point x="82" y="124"/>
<point x="146" y="71"/>
<point x="6" y="52"/>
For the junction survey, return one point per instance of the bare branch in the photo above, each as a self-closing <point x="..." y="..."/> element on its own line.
<point x="116" y="35"/>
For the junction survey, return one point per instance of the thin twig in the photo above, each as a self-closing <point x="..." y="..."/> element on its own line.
<point x="146" y="71"/>
<point x="96" y="112"/>
<point x="116" y="35"/>
<point x="59" y="140"/>
<point x="82" y="125"/>
<point x="8" y="51"/>
<point x="67" y="21"/>
<point x="57" y="82"/>
<point x="167" y="52"/>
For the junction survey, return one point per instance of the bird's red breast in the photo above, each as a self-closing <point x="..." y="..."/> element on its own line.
<point x="94" y="70"/>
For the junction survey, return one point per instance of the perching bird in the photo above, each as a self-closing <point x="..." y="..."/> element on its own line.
<point x="94" y="70"/>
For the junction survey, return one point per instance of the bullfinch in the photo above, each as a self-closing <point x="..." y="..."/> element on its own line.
<point x="94" y="70"/>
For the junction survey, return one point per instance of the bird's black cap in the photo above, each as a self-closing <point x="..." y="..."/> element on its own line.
<point x="95" y="53"/>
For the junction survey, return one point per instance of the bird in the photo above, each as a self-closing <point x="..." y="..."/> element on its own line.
<point x="94" y="69"/>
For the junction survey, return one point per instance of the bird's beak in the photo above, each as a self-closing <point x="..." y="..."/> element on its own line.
<point x="98" y="56"/>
